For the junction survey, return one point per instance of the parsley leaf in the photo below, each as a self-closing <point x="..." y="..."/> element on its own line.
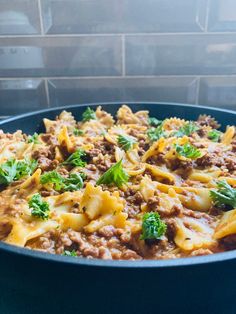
<point x="52" y="177"/>
<point x="155" y="134"/>
<point x="115" y="175"/>
<point x="40" y="208"/>
<point x="76" y="159"/>
<point x="154" y="122"/>
<point x="78" y="132"/>
<point x="152" y="226"/>
<point x="73" y="183"/>
<point x="214" y="135"/>
<point x="126" y="142"/>
<point x="13" y="170"/>
<point x="89" y="114"/>
<point x="25" y="167"/>
<point x="187" y="150"/>
<point x="33" y="138"/>
<point x="225" y="195"/>
<point x="70" y="253"/>
<point x="187" y="129"/>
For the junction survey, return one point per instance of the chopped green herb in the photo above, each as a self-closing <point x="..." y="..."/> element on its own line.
<point x="76" y="159"/>
<point x="224" y="196"/>
<point x="152" y="226"/>
<point x="187" y="129"/>
<point x="70" y="253"/>
<point x="78" y="132"/>
<point x="187" y="150"/>
<point x="40" y="208"/>
<point x="214" y="135"/>
<point x="126" y="142"/>
<point x="13" y="170"/>
<point x="154" y="122"/>
<point x="115" y="175"/>
<point x="33" y="138"/>
<point x="72" y="183"/>
<point x="89" y="114"/>
<point x="53" y="177"/>
<point x="155" y="134"/>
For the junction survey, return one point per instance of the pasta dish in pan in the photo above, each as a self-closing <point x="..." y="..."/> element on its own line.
<point x="128" y="188"/>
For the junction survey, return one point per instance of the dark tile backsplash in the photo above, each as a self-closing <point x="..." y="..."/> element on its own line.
<point x="181" y="54"/>
<point x="56" y="52"/>
<point x="218" y="91"/>
<point x="60" y="56"/>
<point x="75" y="91"/>
<point x="222" y="16"/>
<point x="21" y="96"/>
<point x="123" y="16"/>
<point x="19" y="17"/>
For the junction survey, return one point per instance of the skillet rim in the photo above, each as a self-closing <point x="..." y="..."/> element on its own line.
<point x="53" y="258"/>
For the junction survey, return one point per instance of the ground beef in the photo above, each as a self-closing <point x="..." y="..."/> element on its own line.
<point x="205" y="161"/>
<point x="49" y="139"/>
<point x="134" y="199"/>
<point x="187" y="165"/>
<point x="229" y="242"/>
<point x="196" y="214"/>
<point x="201" y="252"/>
<point x="208" y="121"/>
<point x="157" y="159"/>
<point x="224" y="160"/>
<point x="233" y="143"/>
<point x="153" y="203"/>
<point x="103" y="163"/>
<point x="46" y="164"/>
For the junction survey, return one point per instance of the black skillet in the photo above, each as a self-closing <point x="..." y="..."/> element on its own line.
<point x="35" y="282"/>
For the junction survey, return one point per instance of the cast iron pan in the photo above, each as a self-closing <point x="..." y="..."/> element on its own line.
<point x="35" y="282"/>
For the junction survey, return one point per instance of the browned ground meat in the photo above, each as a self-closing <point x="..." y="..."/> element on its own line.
<point x="208" y="121"/>
<point x="229" y="242"/>
<point x="225" y="160"/>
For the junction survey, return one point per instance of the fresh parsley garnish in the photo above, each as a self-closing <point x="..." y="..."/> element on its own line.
<point x="115" y="175"/>
<point x="13" y="170"/>
<point x="187" y="129"/>
<point x="214" y="135"/>
<point x="33" y="138"/>
<point x="225" y="195"/>
<point x="70" y="253"/>
<point x="155" y="134"/>
<point x="54" y="178"/>
<point x="89" y="114"/>
<point x="76" y="159"/>
<point x="152" y="226"/>
<point x="78" y="132"/>
<point x="126" y="142"/>
<point x="154" y="122"/>
<point x="72" y="183"/>
<point x="187" y="150"/>
<point x="39" y="208"/>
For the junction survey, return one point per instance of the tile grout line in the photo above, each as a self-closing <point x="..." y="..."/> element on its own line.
<point x="208" y="4"/>
<point x="2" y="78"/>
<point x="123" y="54"/>
<point x="40" y="18"/>
<point x="197" y="91"/>
<point x="65" y="35"/>
<point x="47" y="92"/>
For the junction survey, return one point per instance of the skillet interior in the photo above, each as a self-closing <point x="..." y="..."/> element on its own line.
<point x="32" y="122"/>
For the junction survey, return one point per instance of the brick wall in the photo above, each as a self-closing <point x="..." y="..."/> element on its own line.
<point x="58" y="52"/>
